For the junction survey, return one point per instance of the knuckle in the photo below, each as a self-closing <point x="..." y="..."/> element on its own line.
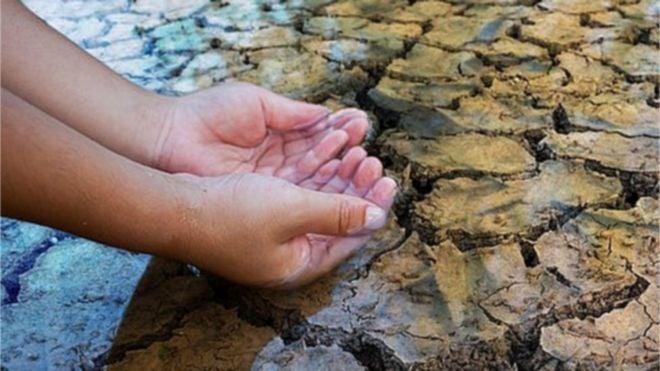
<point x="345" y="218"/>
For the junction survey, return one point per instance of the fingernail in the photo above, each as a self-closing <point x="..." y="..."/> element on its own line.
<point x="374" y="218"/>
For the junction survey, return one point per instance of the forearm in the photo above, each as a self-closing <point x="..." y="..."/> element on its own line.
<point x="52" y="73"/>
<point x="55" y="176"/>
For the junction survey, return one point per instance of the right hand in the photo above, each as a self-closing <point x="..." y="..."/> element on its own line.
<point x="263" y="231"/>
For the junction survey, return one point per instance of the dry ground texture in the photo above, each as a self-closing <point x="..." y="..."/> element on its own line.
<point x="524" y="135"/>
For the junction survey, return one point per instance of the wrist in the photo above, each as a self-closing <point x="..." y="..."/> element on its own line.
<point x="199" y="223"/>
<point x="152" y="114"/>
<point x="177" y="211"/>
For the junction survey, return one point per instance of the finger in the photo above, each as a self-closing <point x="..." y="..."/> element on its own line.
<point x="326" y="254"/>
<point x="351" y="161"/>
<point x="327" y="149"/>
<point x="349" y="164"/>
<point x="322" y="175"/>
<point x="339" y="249"/>
<point x="356" y="130"/>
<point x="282" y="113"/>
<point x="328" y="122"/>
<point x="353" y="121"/>
<point x="328" y="214"/>
<point x="303" y="144"/>
<point x="299" y="167"/>
<point x="307" y="131"/>
<point x="342" y="117"/>
<point x="382" y="193"/>
<point x="369" y="171"/>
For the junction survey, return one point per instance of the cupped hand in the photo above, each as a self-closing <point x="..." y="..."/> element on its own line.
<point x="296" y="233"/>
<point x="241" y="128"/>
<point x="279" y="178"/>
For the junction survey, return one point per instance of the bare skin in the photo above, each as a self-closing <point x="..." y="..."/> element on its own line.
<point x="198" y="133"/>
<point x="255" y="134"/>
<point x="231" y="225"/>
<point x="237" y="180"/>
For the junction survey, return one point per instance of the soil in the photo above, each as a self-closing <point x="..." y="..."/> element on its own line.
<point x="524" y="136"/>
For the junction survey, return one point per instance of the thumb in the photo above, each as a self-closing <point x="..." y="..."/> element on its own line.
<point x="282" y="113"/>
<point x="330" y="214"/>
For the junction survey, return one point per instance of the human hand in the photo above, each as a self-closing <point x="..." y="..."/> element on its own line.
<point x="241" y="128"/>
<point x="264" y="231"/>
<point x="234" y="127"/>
<point x="251" y="228"/>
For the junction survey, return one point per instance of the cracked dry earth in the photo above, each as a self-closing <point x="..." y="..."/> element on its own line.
<point x="524" y="135"/>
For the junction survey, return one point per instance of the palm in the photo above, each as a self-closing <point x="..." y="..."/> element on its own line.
<point x="291" y="155"/>
<point x="239" y="128"/>
<point x="243" y="129"/>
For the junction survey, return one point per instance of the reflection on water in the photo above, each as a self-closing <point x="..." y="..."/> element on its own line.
<point x="525" y="140"/>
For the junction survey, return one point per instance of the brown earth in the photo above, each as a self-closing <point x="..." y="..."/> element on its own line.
<point x="524" y="135"/>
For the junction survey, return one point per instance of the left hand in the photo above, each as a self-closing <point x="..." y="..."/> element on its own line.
<point x="241" y="128"/>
